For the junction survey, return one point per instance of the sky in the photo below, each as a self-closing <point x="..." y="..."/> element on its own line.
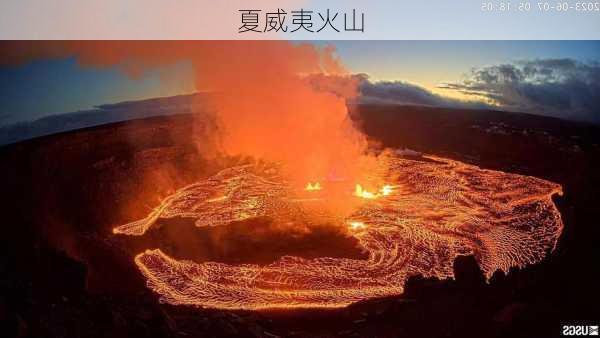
<point x="45" y="87"/>
<point x="429" y="63"/>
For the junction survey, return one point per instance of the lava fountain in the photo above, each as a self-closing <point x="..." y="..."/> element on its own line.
<point x="430" y="211"/>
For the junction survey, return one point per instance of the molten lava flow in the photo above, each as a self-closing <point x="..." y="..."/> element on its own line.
<point x="439" y="209"/>
<point x="359" y="191"/>
<point x="354" y="225"/>
<point x="313" y="187"/>
<point x="386" y="190"/>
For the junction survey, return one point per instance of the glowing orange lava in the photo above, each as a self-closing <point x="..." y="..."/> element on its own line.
<point x="355" y="225"/>
<point x="436" y="210"/>
<point x="313" y="187"/>
<point x="360" y="192"/>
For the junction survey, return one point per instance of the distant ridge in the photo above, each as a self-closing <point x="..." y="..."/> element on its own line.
<point x="200" y="103"/>
<point x="104" y="114"/>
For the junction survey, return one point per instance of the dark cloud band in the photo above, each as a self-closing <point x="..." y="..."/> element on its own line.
<point x="557" y="87"/>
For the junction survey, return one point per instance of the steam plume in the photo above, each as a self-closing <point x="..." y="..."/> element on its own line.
<point x="272" y="98"/>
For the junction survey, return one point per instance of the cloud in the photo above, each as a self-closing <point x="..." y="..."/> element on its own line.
<point x="404" y="93"/>
<point x="563" y="88"/>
